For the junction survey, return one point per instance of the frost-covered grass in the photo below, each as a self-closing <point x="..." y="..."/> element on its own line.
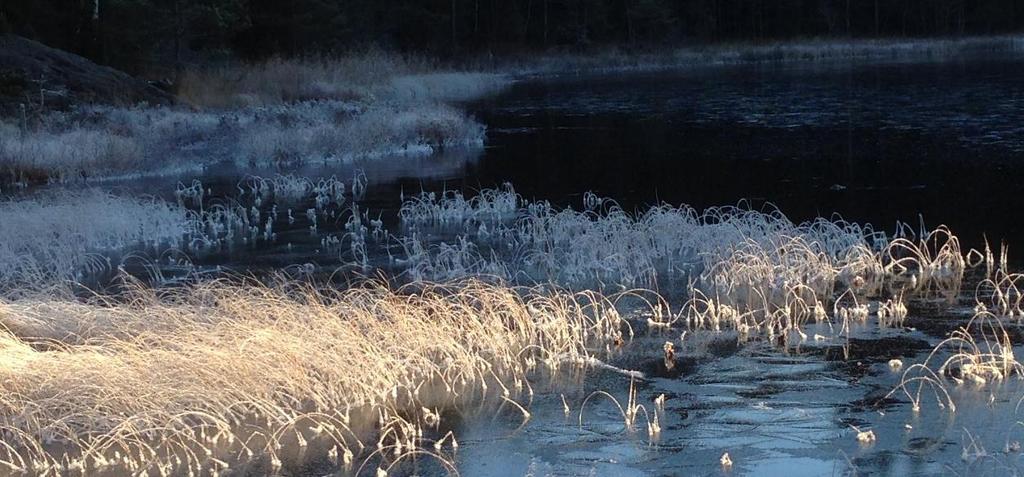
<point x="324" y="132"/>
<point x="444" y="86"/>
<point x="102" y="143"/>
<point x="370" y="77"/>
<point x="60" y="235"/>
<point x="451" y="208"/>
<point x="278" y="113"/>
<point x="605" y="244"/>
<point x="220" y="377"/>
<point x="287" y="188"/>
<point x="63" y="155"/>
<point x="57" y="236"/>
<point x="741" y="268"/>
<point x="978" y="352"/>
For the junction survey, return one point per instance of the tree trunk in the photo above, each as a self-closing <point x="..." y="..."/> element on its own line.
<point x="629" y="22"/>
<point x="760" y="19"/>
<point x="526" y="25"/>
<point x="179" y="31"/>
<point x="903" y="19"/>
<point x="583" y="22"/>
<point x="877" y="31"/>
<point x="97" y="32"/>
<point x="545" y="22"/>
<point x="714" y="19"/>
<point x="960" y="23"/>
<point x="455" y="40"/>
<point x="847" y="17"/>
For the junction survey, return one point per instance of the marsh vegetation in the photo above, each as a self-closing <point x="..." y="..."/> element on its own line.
<point x="381" y="265"/>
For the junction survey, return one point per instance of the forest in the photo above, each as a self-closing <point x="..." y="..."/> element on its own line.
<point x="154" y="35"/>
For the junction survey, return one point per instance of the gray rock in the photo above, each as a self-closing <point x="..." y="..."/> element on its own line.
<point x="44" y="78"/>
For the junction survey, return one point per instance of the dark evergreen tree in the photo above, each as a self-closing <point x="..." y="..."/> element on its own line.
<point x="148" y="34"/>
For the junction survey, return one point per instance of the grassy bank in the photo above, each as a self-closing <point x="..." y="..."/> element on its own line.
<point x="280" y="113"/>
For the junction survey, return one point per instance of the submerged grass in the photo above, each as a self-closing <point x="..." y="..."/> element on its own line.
<point x="978" y="352"/>
<point x="740" y="268"/>
<point x="216" y="375"/>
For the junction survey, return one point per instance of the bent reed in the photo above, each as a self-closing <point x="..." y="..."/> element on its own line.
<point x="205" y="378"/>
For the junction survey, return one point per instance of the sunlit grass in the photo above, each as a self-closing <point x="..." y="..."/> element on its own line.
<point x="976" y="353"/>
<point x="739" y="268"/>
<point x="216" y="374"/>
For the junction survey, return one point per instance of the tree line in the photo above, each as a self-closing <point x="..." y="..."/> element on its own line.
<point x="141" y="34"/>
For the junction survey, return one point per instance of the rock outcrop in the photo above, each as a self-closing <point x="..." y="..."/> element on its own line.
<point x="44" y="78"/>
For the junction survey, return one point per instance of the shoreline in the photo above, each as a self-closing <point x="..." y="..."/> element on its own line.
<point x="623" y="60"/>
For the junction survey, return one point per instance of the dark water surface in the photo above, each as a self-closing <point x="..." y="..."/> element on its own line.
<point x="873" y="142"/>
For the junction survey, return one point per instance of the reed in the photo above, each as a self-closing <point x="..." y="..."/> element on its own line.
<point x="749" y="270"/>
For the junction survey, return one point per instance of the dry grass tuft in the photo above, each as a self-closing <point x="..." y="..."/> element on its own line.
<point x="216" y="375"/>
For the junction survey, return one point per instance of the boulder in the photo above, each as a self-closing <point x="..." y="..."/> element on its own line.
<point x="43" y="78"/>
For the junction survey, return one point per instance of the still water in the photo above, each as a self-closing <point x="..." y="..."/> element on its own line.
<point x="873" y="142"/>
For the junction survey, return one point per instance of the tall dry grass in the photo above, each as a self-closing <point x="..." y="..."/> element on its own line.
<point x="217" y="375"/>
<point x="281" y="80"/>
